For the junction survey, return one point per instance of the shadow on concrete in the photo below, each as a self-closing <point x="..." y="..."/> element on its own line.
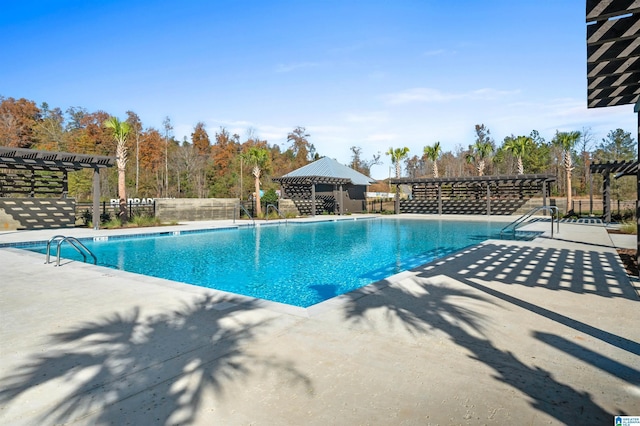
<point x="577" y="271"/>
<point x="606" y="364"/>
<point x="439" y="308"/>
<point x="406" y="263"/>
<point x="166" y="364"/>
<point x="554" y="269"/>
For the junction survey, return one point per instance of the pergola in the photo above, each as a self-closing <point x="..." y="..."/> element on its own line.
<point x="613" y="61"/>
<point x="23" y="172"/>
<point x="620" y="168"/>
<point x="473" y="194"/>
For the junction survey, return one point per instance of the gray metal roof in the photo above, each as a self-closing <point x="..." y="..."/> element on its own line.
<point x="330" y="168"/>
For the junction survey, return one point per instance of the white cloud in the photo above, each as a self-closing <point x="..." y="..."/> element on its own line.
<point x="425" y="94"/>
<point x="420" y="94"/>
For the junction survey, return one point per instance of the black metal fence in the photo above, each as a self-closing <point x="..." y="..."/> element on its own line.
<point x="381" y="205"/>
<point x="620" y="209"/>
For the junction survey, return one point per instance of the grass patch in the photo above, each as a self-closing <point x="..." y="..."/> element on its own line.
<point x="137" y="221"/>
<point x="144" y="220"/>
<point x="629" y="227"/>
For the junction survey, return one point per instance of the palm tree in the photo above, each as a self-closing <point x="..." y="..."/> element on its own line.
<point x="518" y="147"/>
<point x="566" y="141"/>
<point x="257" y="157"/>
<point x="397" y="155"/>
<point x="433" y="153"/>
<point x="120" y="131"/>
<point x="479" y="153"/>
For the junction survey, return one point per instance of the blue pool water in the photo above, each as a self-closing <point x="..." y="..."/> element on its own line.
<point x="299" y="264"/>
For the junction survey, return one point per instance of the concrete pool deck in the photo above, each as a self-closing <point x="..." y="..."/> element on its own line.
<point x="536" y="332"/>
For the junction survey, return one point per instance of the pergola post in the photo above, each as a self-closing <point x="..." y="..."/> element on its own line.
<point x="606" y="195"/>
<point x="612" y="27"/>
<point x="488" y="198"/>
<point x="636" y="109"/>
<point x="32" y="192"/>
<point x="96" y="199"/>
<point x="65" y="183"/>
<point x="544" y="197"/>
<point x="397" y="201"/>
<point x="440" y="199"/>
<point x="341" y="205"/>
<point x="313" y="198"/>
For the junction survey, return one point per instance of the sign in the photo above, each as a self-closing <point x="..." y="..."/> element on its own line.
<point x="134" y="201"/>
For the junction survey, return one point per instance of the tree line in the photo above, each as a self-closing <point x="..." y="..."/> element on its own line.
<point x="156" y="164"/>
<point x="567" y="155"/>
<point x="226" y="165"/>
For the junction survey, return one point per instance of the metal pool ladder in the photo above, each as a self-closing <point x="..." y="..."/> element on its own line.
<point x="235" y="209"/>
<point x="513" y="226"/>
<point x="266" y="217"/>
<point x="75" y="243"/>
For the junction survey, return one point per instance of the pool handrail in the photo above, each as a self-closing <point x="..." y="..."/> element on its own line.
<point x="555" y="213"/>
<point x="245" y="212"/>
<point x="75" y="243"/>
<point x="266" y="215"/>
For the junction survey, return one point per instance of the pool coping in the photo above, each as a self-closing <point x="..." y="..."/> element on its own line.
<point x="353" y="357"/>
<point x="539" y="228"/>
<point x="214" y="226"/>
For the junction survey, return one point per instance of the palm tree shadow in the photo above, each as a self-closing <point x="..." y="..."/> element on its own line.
<point x="168" y="362"/>
<point x="444" y="309"/>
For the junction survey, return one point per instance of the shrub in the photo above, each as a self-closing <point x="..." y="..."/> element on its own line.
<point x="105" y="217"/>
<point x="86" y="217"/>
<point x="269" y="197"/>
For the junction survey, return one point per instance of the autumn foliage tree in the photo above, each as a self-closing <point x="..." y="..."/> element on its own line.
<point x="217" y="167"/>
<point x="18" y="120"/>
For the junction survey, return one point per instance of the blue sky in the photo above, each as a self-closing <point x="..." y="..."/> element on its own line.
<point x="373" y="74"/>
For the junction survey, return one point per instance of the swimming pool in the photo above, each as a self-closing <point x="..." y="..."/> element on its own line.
<point x="299" y="264"/>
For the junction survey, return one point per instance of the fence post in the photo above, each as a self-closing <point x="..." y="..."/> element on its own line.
<point x="580" y="207"/>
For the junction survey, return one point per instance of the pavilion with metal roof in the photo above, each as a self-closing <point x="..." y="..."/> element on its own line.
<point x="613" y="61"/>
<point x="326" y="185"/>
<point x="34" y="186"/>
